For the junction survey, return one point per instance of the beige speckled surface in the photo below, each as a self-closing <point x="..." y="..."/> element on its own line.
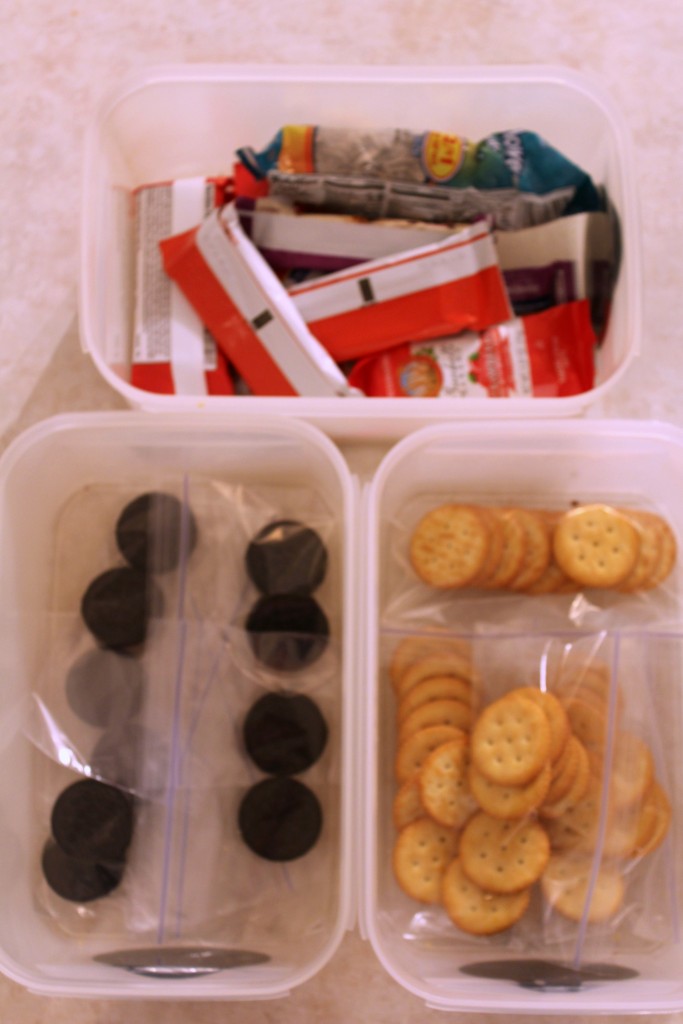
<point x="57" y="58"/>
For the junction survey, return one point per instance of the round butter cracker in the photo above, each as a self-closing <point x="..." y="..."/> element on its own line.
<point x="422" y="851"/>
<point x="450" y="545"/>
<point x="654" y="823"/>
<point x="588" y="722"/>
<point x="566" y="884"/>
<point x="537" y="550"/>
<point x="553" y="711"/>
<point x="413" y="648"/>
<point x="407" y="806"/>
<point x="510" y="801"/>
<point x="650" y="550"/>
<point x="512" y="552"/>
<point x="503" y="856"/>
<point x="436" y="688"/>
<point x="596" y="545"/>
<point x="476" y="911"/>
<point x="444" y="787"/>
<point x="412" y="753"/>
<point x="580" y="783"/>
<point x="510" y="741"/>
<point x="450" y="664"/>
<point x="436" y="712"/>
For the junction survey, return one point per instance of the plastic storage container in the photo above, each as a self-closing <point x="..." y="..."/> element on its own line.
<point x="183" y="121"/>
<point x="189" y="881"/>
<point x="544" y="465"/>
<point x="234" y="454"/>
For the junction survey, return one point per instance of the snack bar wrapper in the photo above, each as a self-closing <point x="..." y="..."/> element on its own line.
<point x="173" y="353"/>
<point x="547" y="355"/>
<point x="291" y="240"/>
<point x="241" y="301"/>
<point x="515" y="178"/>
<point x="567" y="259"/>
<point x="429" y="292"/>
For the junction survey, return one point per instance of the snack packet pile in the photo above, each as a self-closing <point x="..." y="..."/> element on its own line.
<point x="340" y="262"/>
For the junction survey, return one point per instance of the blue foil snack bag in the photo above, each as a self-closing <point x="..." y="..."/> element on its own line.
<point x="515" y="178"/>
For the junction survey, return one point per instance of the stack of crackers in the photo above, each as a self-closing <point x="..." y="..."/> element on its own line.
<point x="534" y="789"/>
<point x="535" y="551"/>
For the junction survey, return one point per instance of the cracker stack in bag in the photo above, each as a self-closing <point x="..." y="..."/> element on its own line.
<point x="530" y="789"/>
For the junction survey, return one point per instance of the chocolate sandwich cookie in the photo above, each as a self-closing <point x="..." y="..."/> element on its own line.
<point x="280" y="819"/>
<point x="92" y="821"/>
<point x="76" y="880"/>
<point x="287" y="631"/>
<point x="284" y="733"/>
<point x="104" y="687"/>
<point x="153" y="530"/>
<point x="134" y="757"/>
<point x="286" y="557"/>
<point x="117" y="605"/>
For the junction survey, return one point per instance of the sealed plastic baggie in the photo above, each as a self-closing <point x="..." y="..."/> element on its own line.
<point x="181" y="723"/>
<point x="195" y="726"/>
<point x="527" y="816"/>
<point x="526" y="784"/>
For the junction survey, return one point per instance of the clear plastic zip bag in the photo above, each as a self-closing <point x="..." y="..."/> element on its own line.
<point x="575" y="865"/>
<point x="154" y="727"/>
<point x="470" y="556"/>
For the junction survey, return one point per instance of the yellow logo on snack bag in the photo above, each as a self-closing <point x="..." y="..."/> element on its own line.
<point x="420" y="377"/>
<point x="296" y="154"/>
<point x="442" y="154"/>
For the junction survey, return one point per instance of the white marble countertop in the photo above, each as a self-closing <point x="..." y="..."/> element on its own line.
<point x="59" y="58"/>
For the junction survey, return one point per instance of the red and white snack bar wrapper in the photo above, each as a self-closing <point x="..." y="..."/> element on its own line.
<point x="546" y="355"/>
<point x="173" y="353"/>
<point x="428" y="292"/>
<point x="289" y="239"/>
<point x="248" y="311"/>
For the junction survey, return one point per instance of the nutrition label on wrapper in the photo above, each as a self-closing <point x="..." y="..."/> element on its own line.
<point x="167" y="330"/>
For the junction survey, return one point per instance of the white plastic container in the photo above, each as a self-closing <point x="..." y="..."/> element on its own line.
<point x="173" y="122"/>
<point x="57" y="466"/>
<point x="540" y="464"/>
<point x="64" y="472"/>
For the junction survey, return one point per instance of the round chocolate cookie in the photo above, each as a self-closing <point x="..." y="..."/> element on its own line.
<point x="284" y="733"/>
<point x="280" y="819"/>
<point x="286" y="557"/>
<point x="93" y="822"/>
<point x="287" y="631"/>
<point x="104" y="687"/>
<point x="77" y="880"/>
<point x="153" y="530"/>
<point x="117" y="605"/>
<point x="133" y="757"/>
